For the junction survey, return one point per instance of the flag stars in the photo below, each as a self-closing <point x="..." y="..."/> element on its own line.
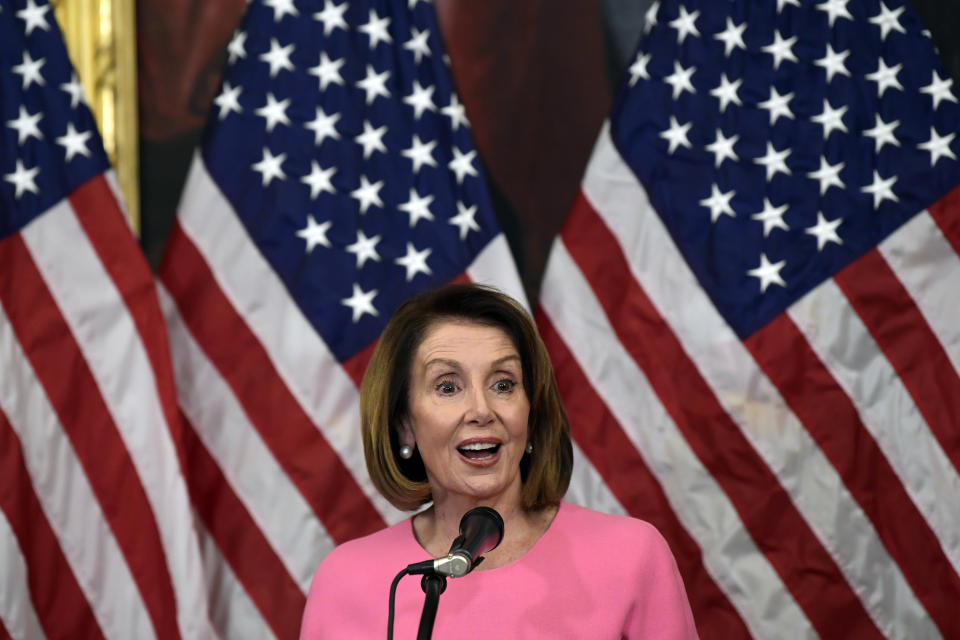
<point x="374" y="84"/>
<point x="650" y="17"/>
<point x="23" y="179"/>
<point x="774" y="161"/>
<point x="732" y="37"/>
<point x="270" y="167"/>
<point x="722" y="148"/>
<point x="881" y="189"/>
<point x="676" y="135"/>
<point x="719" y="203"/>
<point x="417" y="44"/>
<point x="771" y="217"/>
<point x="462" y="164"/>
<point x="315" y="234"/>
<point x="281" y="8"/>
<point x="825" y="231"/>
<point x="74" y="142"/>
<point x="376" y="30"/>
<point x="278" y="57"/>
<point x="938" y="146"/>
<point x="888" y="21"/>
<point x="26" y="125"/>
<point x="238" y="47"/>
<point x="319" y="180"/>
<point x="828" y="175"/>
<point x="465" y="220"/>
<point x="833" y="63"/>
<point x="34" y="16"/>
<point x="327" y="71"/>
<point x="417" y="208"/>
<point x="939" y="89"/>
<point x="639" y="68"/>
<point x="361" y="302"/>
<point x="778" y="105"/>
<point x="781" y="49"/>
<point x="685" y="24"/>
<point x="835" y="9"/>
<point x="364" y="249"/>
<point x="421" y="99"/>
<point x="768" y="273"/>
<point x="29" y="70"/>
<point x="367" y="194"/>
<point x="456" y="113"/>
<point x="274" y="112"/>
<point x="886" y="77"/>
<point x="228" y="100"/>
<point x="75" y="90"/>
<point x="332" y="17"/>
<point x="415" y="261"/>
<point x="371" y="139"/>
<point x="324" y="126"/>
<point x="727" y="92"/>
<point x="680" y="79"/>
<point x="782" y="3"/>
<point x="830" y="119"/>
<point x="420" y="153"/>
<point x="882" y="133"/>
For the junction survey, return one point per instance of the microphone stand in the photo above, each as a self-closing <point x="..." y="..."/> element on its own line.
<point x="433" y="585"/>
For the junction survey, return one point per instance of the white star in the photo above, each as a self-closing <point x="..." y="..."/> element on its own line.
<point x="361" y="302"/>
<point x="281" y="8"/>
<point x="882" y="133"/>
<point x="888" y="21"/>
<point x="270" y="166"/>
<point x="74" y="142"/>
<point x="314" y="233"/>
<point x="228" y="100"/>
<point x="832" y="62"/>
<point x="278" y="57"/>
<point x="828" y="175"/>
<point x="782" y="3"/>
<point x="420" y="153"/>
<point x="774" y="161"/>
<point x="781" y="49"/>
<point x="465" y="220"/>
<point x="939" y="89"/>
<point x="327" y="71"/>
<point x="375" y="84"/>
<point x="417" y="208"/>
<point x="650" y="17"/>
<point x="831" y="119"/>
<point x="324" y="126"/>
<point x="685" y="24"/>
<point x="319" y="180"/>
<point x="881" y="189"/>
<point x="680" y="79"/>
<point x="376" y="29"/>
<point x="835" y="9"/>
<point x="732" y="37"/>
<point x="364" y="248"/>
<point x="331" y="16"/>
<point x="26" y="125"/>
<point x="455" y="112"/>
<point x="415" y="261"/>
<point x="75" y="90"/>
<point x="886" y="77"/>
<point x="22" y="179"/>
<point x="727" y="92"/>
<point x="768" y="273"/>
<point x="771" y="217"/>
<point x="418" y="44"/>
<point x="719" y="203"/>
<point x="367" y="194"/>
<point x="237" y="47"/>
<point x="722" y="148"/>
<point x="274" y="112"/>
<point x="34" y="16"/>
<point x="462" y="164"/>
<point x="29" y="69"/>
<point x="371" y="139"/>
<point x="639" y="68"/>
<point x="777" y="105"/>
<point x="825" y="231"/>
<point x="676" y="135"/>
<point x="938" y="146"/>
<point x="421" y="99"/>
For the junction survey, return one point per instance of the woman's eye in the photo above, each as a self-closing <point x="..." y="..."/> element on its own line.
<point x="504" y="386"/>
<point x="446" y="388"/>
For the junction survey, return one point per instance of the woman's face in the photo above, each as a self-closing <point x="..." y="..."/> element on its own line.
<point x="468" y="411"/>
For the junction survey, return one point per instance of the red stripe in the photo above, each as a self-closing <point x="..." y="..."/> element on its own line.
<point x="69" y="384"/>
<point x="764" y="507"/>
<point x="946" y="213"/>
<point x="61" y="607"/>
<point x="296" y="443"/>
<point x="832" y="420"/>
<point x="246" y="549"/>
<point x="3" y="632"/>
<point x="626" y="475"/>
<point x="909" y="344"/>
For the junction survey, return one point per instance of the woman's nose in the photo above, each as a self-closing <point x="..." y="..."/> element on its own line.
<point x="478" y="410"/>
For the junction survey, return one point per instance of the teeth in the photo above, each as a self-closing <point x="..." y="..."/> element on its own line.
<point x="478" y="446"/>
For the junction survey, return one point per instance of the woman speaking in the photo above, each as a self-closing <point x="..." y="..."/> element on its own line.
<point x="460" y="409"/>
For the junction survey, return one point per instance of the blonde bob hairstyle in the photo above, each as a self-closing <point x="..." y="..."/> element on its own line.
<point x="385" y="391"/>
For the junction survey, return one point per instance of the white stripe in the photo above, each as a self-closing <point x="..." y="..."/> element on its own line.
<point x="494" y="266"/>
<point x="232" y="613"/>
<point x="275" y="504"/>
<point x="295" y="349"/>
<point x="587" y="487"/>
<point x="67" y="499"/>
<point x="929" y="268"/>
<point x="838" y="336"/>
<point x="748" y="396"/>
<point x="16" y="609"/>
<point x="112" y="346"/>
<point x="729" y="553"/>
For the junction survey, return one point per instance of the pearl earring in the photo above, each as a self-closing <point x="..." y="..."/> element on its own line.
<point x="529" y="448"/>
<point x="406" y="452"/>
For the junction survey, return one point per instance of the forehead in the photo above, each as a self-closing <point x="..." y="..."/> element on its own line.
<point x="464" y="339"/>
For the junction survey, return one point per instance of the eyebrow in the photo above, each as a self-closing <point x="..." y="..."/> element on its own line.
<point x="453" y="364"/>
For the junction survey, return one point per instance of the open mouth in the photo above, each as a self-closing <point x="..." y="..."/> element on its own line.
<point x="479" y="451"/>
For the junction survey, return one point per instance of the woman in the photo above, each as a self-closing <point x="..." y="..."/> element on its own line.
<point x="460" y="408"/>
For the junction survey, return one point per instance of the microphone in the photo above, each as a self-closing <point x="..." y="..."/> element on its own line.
<point x="481" y="530"/>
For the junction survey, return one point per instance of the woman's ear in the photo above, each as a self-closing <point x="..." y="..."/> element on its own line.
<point x="405" y="434"/>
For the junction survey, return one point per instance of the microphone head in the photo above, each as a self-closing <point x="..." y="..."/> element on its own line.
<point x="481" y="530"/>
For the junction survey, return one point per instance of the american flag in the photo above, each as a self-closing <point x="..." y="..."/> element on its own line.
<point x="753" y="314"/>
<point x="337" y="177"/>
<point x="96" y="535"/>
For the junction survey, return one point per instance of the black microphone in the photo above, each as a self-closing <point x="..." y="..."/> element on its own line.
<point x="481" y="530"/>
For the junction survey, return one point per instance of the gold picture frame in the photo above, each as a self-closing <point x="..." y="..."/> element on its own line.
<point x="101" y="41"/>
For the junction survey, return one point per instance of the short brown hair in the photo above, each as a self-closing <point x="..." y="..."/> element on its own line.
<point x="386" y="384"/>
